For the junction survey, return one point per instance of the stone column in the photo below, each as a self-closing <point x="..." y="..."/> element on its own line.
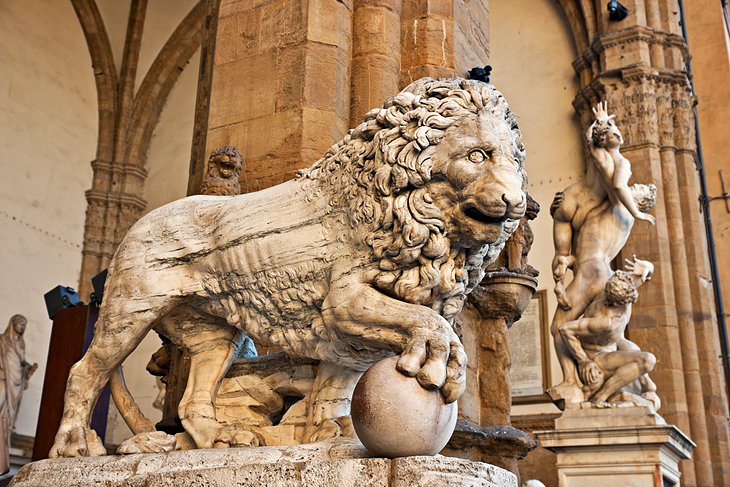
<point x="443" y="38"/>
<point x="280" y="84"/>
<point x="707" y="38"/>
<point x="376" y="54"/>
<point x="490" y="311"/>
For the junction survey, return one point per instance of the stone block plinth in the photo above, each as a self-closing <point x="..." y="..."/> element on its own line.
<point x="321" y="464"/>
<point x="626" y="447"/>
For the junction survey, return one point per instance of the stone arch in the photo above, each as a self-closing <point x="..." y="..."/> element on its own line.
<point x="126" y="123"/>
<point x="577" y="13"/>
<point x="159" y="81"/>
<point x="105" y="72"/>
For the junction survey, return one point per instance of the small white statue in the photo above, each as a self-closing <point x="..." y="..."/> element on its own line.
<point x="14" y="370"/>
<point x="368" y="253"/>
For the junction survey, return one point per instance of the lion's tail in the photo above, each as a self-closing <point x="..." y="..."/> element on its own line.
<point x="128" y="408"/>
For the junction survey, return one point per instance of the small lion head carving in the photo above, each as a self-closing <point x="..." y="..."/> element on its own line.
<point x="434" y="184"/>
<point x="224" y="171"/>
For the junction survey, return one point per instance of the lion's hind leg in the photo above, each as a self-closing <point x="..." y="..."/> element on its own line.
<point x="212" y="345"/>
<point x="328" y="411"/>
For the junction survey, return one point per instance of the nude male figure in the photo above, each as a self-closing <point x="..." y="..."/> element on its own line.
<point x="607" y="361"/>
<point x="592" y="221"/>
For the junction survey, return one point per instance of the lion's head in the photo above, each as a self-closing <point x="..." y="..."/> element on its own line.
<point x="434" y="185"/>
<point x="223" y="173"/>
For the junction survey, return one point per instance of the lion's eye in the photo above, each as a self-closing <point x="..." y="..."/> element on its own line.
<point x="477" y="156"/>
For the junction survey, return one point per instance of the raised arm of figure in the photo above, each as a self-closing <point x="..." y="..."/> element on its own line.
<point x="600" y="111"/>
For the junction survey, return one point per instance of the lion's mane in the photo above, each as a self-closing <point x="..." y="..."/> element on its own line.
<point x="380" y="173"/>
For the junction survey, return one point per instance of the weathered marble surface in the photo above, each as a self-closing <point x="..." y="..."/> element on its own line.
<point x="368" y="253"/>
<point x="321" y="464"/>
<point x="593" y="219"/>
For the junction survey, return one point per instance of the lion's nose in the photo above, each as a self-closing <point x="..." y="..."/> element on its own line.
<point x="513" y="201"/>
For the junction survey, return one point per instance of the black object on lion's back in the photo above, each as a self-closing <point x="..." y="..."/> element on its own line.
<point x="480" y="74"/>
<point x="616" y="11"/>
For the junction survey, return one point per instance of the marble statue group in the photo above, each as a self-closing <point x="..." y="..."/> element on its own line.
<point x="368" y="253"/>
<point x="592" y="222"/>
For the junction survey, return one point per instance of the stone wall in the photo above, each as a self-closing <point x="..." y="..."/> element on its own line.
<point x="708" y="38"/>
<point x="290" y="77"/>
<point x="50" y="110"/>
<point x="48" y="120"/>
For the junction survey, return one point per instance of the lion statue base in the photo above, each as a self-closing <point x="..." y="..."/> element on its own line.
<point x="368" y="253"/>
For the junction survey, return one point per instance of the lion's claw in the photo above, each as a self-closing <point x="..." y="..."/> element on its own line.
<point x="437" y="360"/>
<point x="433" y="373"/>
<point x="455" y="384"/>
<point x="77" y="441"/>
<point x="412" y="358"/>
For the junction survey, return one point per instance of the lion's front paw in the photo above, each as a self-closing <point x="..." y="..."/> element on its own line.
<point x="76" y="441"/>
<point x="437" y="359"/>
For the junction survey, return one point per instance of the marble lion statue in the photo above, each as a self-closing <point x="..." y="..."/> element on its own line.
<point x="370" y="252"/>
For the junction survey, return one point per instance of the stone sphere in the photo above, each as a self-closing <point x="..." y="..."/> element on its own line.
<point x="395" y="417"/>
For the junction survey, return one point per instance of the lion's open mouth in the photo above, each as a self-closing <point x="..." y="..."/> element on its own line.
<point x="474" y="213"/>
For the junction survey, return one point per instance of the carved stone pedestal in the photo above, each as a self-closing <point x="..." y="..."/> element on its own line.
<point x="491" y="309"/>
<point x="626" y="447"/>
<point x="321" y="464"/>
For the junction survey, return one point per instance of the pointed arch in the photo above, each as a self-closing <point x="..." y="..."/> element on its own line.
<point x="159" y="80"/>
<point x="105" y="73"/>
<point x="583" y="31"/>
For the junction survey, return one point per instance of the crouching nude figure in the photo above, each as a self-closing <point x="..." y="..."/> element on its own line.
<point x="609" y="364"/>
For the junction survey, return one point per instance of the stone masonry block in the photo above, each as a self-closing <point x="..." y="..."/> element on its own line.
<point x="233" y="100"/>
<point x="282" y="23"/>
<point x="378" y="32"/>
<point x="325" y="20"/>
<point x="320" y="75"/>
<point x="226" y="40"/>
<point x="273" y="135"/>
<point x="429" y="41"/>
